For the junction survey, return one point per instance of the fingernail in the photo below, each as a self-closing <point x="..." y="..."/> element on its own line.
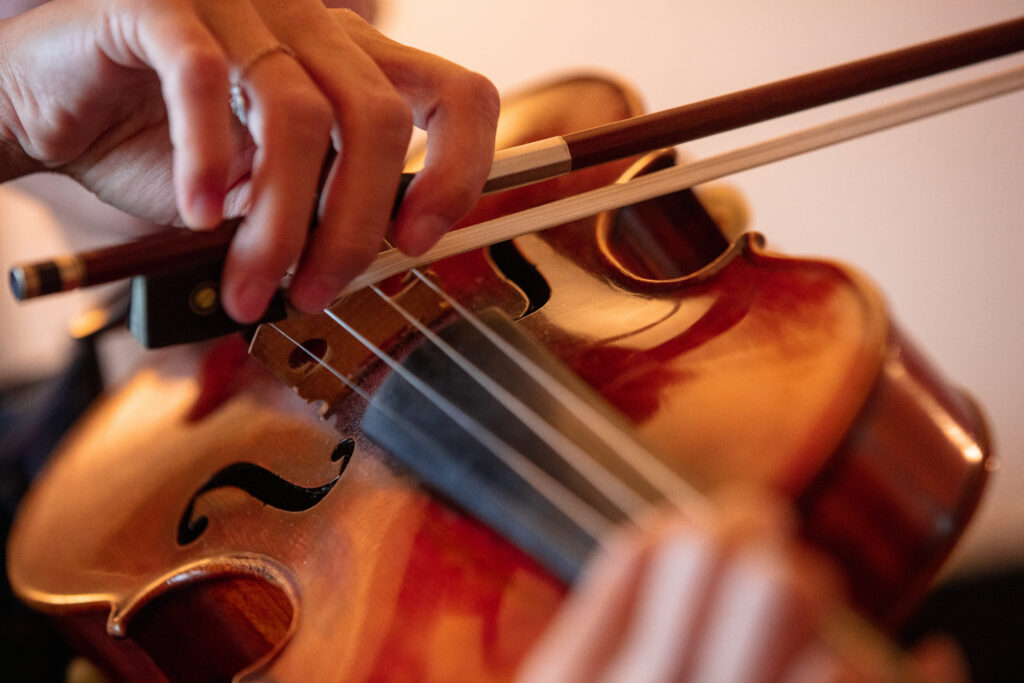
<point x="205" y="210"/>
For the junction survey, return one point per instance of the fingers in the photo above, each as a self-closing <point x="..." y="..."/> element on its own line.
<point x="290" y="122"/>
<point x="674" y="601"/>
<point x="736" y="599"/>
<point x="680" y="567"/>
<point x="459" y="110"/>
<point x="288" y="119"/>
<point x="460" y="144"/>
<point x="635" y="613"/>
<point x="336" y="83"/>
<point x="312" y="79"/>
<point x="587" y="630"/>
<point x="382" y="90"/>
<point x="372" y="89"/>
<point x="374" y="125"/>
<point x="193" y="72"/>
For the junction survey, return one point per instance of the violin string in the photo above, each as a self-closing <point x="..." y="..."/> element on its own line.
<point x="688" y="500"/>
<point x="613" y="488"/>
<point x="654" y="184"/>
<point x="658" y="183"/>
<point x="571" y="505"/>
<point x="673" y="488"/>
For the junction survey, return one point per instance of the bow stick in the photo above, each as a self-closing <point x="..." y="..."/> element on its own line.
<point x="556" y="156"/>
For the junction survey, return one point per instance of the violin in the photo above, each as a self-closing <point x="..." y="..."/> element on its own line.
<point x="201" y="524"/>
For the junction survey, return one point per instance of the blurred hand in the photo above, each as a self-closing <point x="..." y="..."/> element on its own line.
<point x="739" y="602"/>
<point x="131" y="98"/>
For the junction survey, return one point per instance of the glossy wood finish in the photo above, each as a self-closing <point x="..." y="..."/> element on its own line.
<point x="906" y="479"/>
<point x="383" y="582"/>
<point x="756" y="367"/>
<point x="890" y="499"/>
<point x="377" y="557"/>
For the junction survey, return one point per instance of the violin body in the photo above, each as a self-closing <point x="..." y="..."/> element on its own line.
<point x="203" y="524"/>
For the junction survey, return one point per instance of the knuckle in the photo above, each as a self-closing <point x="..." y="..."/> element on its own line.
<point x="477" y="88"/>
<point x="346" y="15"/>
<point x="389" y="114"/>
<point x="201" y="69"/>
<point x="51" y="135"/>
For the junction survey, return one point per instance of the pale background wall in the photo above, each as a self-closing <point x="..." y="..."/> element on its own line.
<point x="933" y="212"/>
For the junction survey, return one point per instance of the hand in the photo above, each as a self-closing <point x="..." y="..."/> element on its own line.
<point x="741" y="601"/>
<point x="130" y="97"/>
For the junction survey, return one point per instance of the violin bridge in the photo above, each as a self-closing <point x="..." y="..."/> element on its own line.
<point x="312" y="352"/>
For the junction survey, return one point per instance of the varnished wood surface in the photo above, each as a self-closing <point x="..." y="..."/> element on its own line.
<point x="756" y="354"/>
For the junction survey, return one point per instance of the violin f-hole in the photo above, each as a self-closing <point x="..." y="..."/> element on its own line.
<point x="521" y="273"/>
<point x="263" y="485"/>
<point x="662" y="239"/>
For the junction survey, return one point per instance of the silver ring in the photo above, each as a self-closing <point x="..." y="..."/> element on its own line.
<point x="238" y="99"/>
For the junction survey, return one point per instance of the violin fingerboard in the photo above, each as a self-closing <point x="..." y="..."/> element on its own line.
<point x="479" y="453"/>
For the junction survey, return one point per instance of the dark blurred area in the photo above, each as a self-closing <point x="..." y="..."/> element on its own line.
<point x="985" y="616"/>
<point x="33" y="418"/>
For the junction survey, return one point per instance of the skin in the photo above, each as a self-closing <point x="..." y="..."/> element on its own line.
<point x="730" y="596"/>
<point x="143" y="122"/>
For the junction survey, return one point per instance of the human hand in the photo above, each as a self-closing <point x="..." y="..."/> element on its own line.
<point x="739" y="601"/>
<point x="130" y="97"/>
